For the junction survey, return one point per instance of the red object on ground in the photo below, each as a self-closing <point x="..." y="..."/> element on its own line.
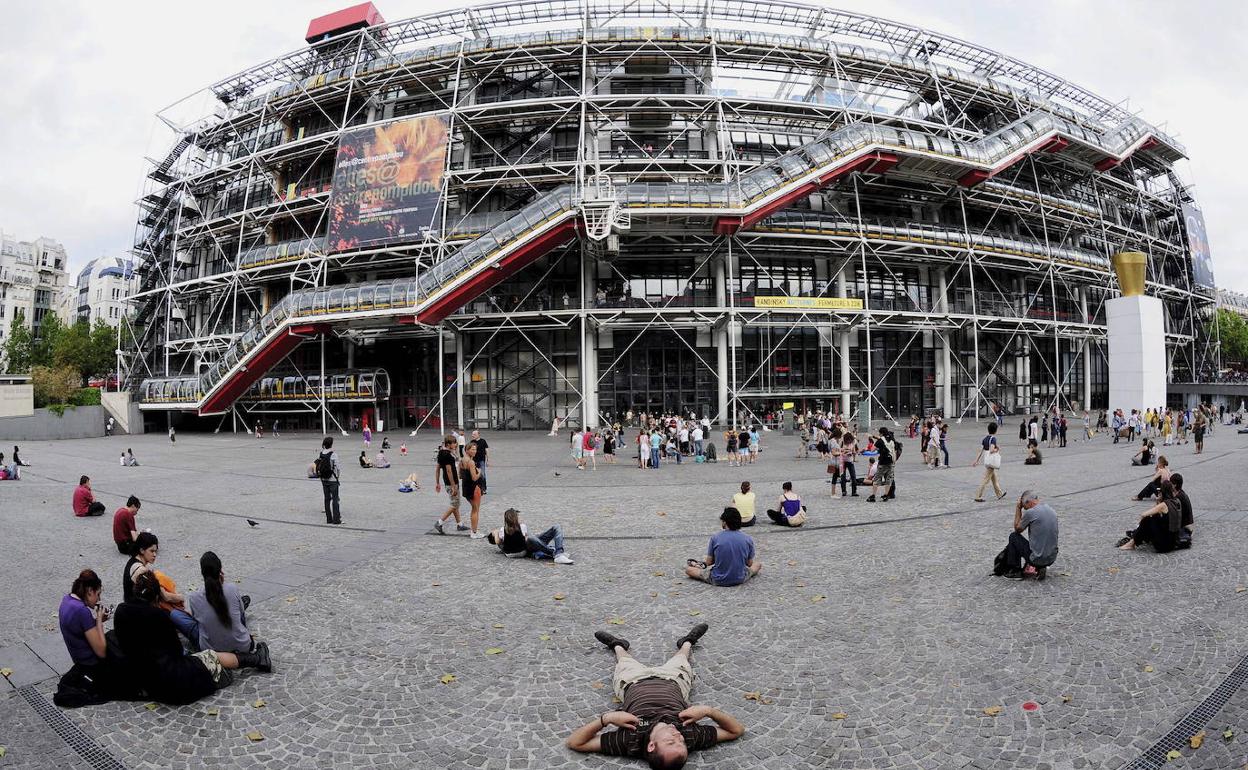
<point x="346" y="20"/>
<point x="1031" y="705"/>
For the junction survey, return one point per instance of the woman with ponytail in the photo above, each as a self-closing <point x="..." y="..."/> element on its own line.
<point x="221" y="610"/>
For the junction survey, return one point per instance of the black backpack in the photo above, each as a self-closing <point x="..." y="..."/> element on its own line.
<point x="325" y="465"/>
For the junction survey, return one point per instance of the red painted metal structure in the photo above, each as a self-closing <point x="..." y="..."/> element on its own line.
<point x="346" y="20"/>
<point x="263" y="359"/>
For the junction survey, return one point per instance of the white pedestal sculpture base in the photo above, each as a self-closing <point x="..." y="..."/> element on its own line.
<point x="1137" y="353"/>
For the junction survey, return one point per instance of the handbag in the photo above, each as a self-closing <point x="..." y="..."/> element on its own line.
<point x="798" y="519"/>
<point x="993" y="460"/>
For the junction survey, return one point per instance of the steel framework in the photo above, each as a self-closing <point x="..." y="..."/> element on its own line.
<point x="628" y="178"/>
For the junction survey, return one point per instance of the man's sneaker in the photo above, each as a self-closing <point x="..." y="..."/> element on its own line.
<point x="437" y="527"/>
<point x="477" y="535"/>
<point x="611" y="640"/>
<point x="871" y="499"/>
<point x="1041" y="573"/>
<point x="462" y="527"/>
<point x="1001" y="495"/>
<point x="1014" y="574"/>
<point x="562" y="558"/>
<point x="693" y="636"/>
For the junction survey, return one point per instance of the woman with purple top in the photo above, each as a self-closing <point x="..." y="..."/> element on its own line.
<point x="82" y="621"/>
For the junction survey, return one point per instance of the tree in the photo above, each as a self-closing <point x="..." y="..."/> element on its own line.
<point x="18" y="346"/>
<point x="71" y="349"/>
<point x="1232" y="329"/>
<point x="103" y="358"/>
<point x="44" y="347"/>
<point x="54" y="385"/>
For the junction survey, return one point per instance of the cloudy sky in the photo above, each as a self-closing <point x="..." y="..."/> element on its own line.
<point x="86" y="79"/>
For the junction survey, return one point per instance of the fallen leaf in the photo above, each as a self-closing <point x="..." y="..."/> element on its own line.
<point x="659" y="574"/>
<point x="840" y="715"/>
<point x="1148" y="669"/>
<point x="758" y="697"/>
<point x="597" y="685"/>
<point x="695" y="612"/>
<point x="662" y="513"/>
<point x="150" y="706"/>
<point x="818" y="598"/>
<point x="494" y="651"/>
<point x="544" y="637"/>
<point x="560" y="597"/>
<point x="1064" y="574"/>
<point x="1240" y="589"/>
<point x="446" y="678"/>
<point x="1067" y="699"/>
<point x="6" y="672"/>
<point x="791" y="563"/>
<point x="3" y="751"/>
<point x="1113" y="570"/>
<point x="616" y="621"/>
<point x="1172" y="755"/>
<point x="1197" y="739"/>
<point x="993" y="711"/>
<point x="254" y="736"/>
<point x="653" y="594"/>
<point x="436" y="585"/>
<point x="498" y="625"/>
<point x="1228" y="734"/>
<point x="258" y="703"/>
<point x="186" y="556"/>
<point x="212" y="712"/>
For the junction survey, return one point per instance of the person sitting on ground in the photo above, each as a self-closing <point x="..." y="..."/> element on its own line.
<point x="82" y="620"/>
<point x="146" y="548"/>
<point x="514" y="540"/>
<point x="125" y="531"/>
<point x="410" y="484"/>
<point x="1159" y="525"/>
<point x="17" y="458"/>
<point x="1031" y="557"/>
<point x="364" y="461"/>
<point x="128" y="459"/>
<point x="155" y="658"/>
<point x="1033" y="453"/>
<point x="9" y="472"/>
<point x="221" y="609"/>
<point x="382" y="461"/>
<point x="744" y="501"/>
<point x="1153" y="487"/>
<point x="385" y="442"/>
<point x="1145" y="455"/>
<point x="656" y="721"/>
<point x="1185" y="503"/>
<point x="791" y="512"/>
<point x="84" y="500"/>
<point x="729" y="559"/>
<point x="312" y="474"/>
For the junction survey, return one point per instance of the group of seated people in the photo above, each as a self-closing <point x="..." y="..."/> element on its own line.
<point x="164" y="646"/>
<point x="381" y="460"/>
<point x="1168" y="522"/>
<point x="128" y="460"/>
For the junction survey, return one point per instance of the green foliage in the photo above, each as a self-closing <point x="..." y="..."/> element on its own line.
<point x="44" y="348"/>
<point x="1232" y="328"/>
<point x="54" y="385"/>
<point x="86" y="397"/>
<point x="103" y="358"/>
<point x="18" y="346"/>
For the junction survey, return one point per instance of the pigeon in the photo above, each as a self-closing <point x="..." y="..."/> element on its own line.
<point x="557" y="473"/>
<point x="253" y="523"/>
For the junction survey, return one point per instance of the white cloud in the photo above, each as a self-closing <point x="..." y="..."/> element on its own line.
<point x="84" y="81"/>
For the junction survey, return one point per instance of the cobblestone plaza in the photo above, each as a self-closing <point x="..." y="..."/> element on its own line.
<point x="875" y="636"/>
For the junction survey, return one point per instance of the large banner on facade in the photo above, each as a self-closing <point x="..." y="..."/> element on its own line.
<point x="387" y="182"/>
<point x="810" y="303"/>
<point x="1198" y="244"/>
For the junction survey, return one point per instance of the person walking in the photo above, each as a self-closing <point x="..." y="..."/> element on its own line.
<point x="329" y="471"/>
<point x="990" y="453"/>
<point x="447" y="475"/>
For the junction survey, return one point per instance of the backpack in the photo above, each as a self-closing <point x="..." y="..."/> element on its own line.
<point x="709" y="452"/>
<point x="75" y="690"/>
<point x="999" y="565"/>
<point x="325" y="466"/>
<point x="885" y="453"/>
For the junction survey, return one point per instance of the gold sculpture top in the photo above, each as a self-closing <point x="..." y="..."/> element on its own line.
<point x="1130" y="267"/>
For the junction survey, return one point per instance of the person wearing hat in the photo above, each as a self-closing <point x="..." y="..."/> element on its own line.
<point x="514" y="540"/>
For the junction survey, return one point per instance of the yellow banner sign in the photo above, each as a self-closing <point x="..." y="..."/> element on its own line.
<point x="810" y="303"/>
<point x="787" y="405"/>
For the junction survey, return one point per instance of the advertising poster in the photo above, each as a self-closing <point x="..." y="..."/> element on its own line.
<point x="1198" y="243"/>
<point x="387" y="182"/>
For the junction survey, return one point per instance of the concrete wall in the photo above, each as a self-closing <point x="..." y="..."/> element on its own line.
<point x="17" y="400"/>
<point x="78" y="422"/>
<point x="129" y="417"/>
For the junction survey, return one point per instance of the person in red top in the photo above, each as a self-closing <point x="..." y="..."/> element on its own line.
<point x="84" y="501"/>
<point x="125" y="531"/>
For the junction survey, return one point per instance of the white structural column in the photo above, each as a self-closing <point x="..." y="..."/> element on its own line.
<point x="721" y="344"/>
<point x="589" y="348"/>
<point x="843" y="342"/>
<point x="1087" y="350"/>
<point x="461" y="382"/>
<point x="944" y="375"/>
<point x="1137" y="353"/>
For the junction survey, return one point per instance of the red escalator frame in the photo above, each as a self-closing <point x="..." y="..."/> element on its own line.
<point x="256" y="365"/>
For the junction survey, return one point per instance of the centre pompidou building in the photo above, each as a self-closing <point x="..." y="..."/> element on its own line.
<point x="509" y="213"/>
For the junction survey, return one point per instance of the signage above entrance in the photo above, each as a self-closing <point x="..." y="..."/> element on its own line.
<point x="810" y="303"/>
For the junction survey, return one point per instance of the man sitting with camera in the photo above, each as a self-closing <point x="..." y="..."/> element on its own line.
<point x="1024" y="557"/>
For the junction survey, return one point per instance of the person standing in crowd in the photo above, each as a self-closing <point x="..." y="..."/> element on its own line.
<point x="84" y="501"/>
<point x="108" y="427"/>
<point x="447" y="475"/>
<point x="329" y="471"/>
<point x="743" y="447"/>
<point x="470" y="478"/>
<point x="730" y="558"/>
<point x="125" y="531"/>
<point x="990" y="453"/>
<point x="699" y="437"/>
<point x="173" y="437"/>
<point x="368" y="436"/>
<point x="885" y="466"/>
<point x="944" y="440"/>
<point x="1031" y="557"/>
<point x="656" y="444"/>
<point x="482" y="461"/>
<point x="849" y="450"/>
<point x="1199" y="425"/>
<point x="744" y="501"/>
<point x="730" y="446"/>
<point x="1061" y="430"/>
<point x="591" y="449"/>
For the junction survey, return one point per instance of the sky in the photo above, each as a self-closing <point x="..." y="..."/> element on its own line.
<point x="86" y="80"/>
